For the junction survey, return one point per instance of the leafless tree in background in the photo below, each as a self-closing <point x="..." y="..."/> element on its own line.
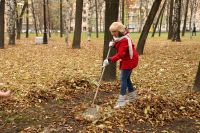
<point x="2" y="12"/>
<point x="177" y="21"/>
<point x="11" y="12"/>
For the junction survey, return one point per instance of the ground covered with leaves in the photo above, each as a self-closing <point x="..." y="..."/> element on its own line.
<point x="53" y="84"/>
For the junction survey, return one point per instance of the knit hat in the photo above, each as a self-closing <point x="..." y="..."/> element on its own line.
<point x="117" y="26"/>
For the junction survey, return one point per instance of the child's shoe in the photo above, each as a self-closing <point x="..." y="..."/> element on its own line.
<point x="131" y="96"/>
<point x="120" y="102"/>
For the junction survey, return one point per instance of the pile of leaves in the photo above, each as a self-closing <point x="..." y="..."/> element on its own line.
<point x="148" y="109"/>
<point x="64" y="89"/>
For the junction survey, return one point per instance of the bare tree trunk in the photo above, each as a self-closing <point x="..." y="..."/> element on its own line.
<point x="19" y="20"/>
<point x="190" y="23"/>
<point x="67" y="24"/>
<point x="123" y="11"/>
<point x="147" y="8"/>
<point x="61" y="19"/>
<point x="148" y="23"/>
<point x="141" y="17"/>
<point x="197" y="80"/>
<point x="89" y="32"/>
<point x="167" y="16"/>
<point x="111" y="15"/>
<point x="34" y="18"/>
<point x="160" y="29"/>
<point x="185" y="17"/>
<point x="192" y="6"/>
<point x="100" y="14"/>
<point x="19" y="28"/>
<point x="40" y="25"/>
<point x="11" y="22"/>
<point x="70" y="23"/>
<point x="78" y="24"/>
<point x="45" y="40"/>
<point x="49" y="20"/>
<point x="2" y="23"/>
<point x="27" y="20"/>
<point x="97" y="25"/>
<point x="177" y="21"/>
<point x="170" y="33"/>
<point x="161" y="11"/>
<point x="100" y="19"/>
<point x="71" y="19"/>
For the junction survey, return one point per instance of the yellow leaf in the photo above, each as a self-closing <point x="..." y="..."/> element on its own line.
<point x="146" y="110"/>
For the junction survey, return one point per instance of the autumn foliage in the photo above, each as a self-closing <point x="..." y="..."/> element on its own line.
<point x="52" y="85"/>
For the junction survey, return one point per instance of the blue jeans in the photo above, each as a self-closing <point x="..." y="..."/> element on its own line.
<point x="126" y="82"/>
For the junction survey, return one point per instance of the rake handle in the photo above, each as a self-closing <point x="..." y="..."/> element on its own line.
<point x="99" y="83"/>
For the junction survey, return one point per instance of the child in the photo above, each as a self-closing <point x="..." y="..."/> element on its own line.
<point x="128" y="57"/>
<point x="4" y="94"/>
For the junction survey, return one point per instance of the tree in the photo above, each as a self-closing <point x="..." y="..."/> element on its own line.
<point x="197" y="80"/>
<point x="170" y="32"/>
<point x="67" y="22"/>
<point x="161" y="20"/>
<point x="20" y="18"/>
<point x="89" y="22"/>
<point x="193" y="9"/>
<point x="2" y="11"/>
<point x="71" y="15"/>
<point x="27" y="20"/>
<point x="148" y="23"/>
<point x="122" y="11"/>
<point x="160" y="14"/>
<point x="111" y="15"/>
<point x="177" y="21"/>
<point x="45" y="40"/>
<point x="146" y="8"/>
<point x="100" y="10"/>
<point x="39" y="21"/>
<point x="78" y="24"/>
<point x="34" y="18"/>
<point x="61" y="19"/>
<point x="49" y="20"/>
<point x="11" y="21"/>
<point x="141" y="15"/>
<point x="185" y="17"/>
<point x="167" y="16"/>
<point x="97" y="27"/>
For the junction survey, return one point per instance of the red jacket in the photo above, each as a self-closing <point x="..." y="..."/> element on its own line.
<point x="123" y="55"/>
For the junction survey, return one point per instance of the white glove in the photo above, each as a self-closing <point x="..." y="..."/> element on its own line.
<point x="111" y="44"/>
<point x="105" y="63"/>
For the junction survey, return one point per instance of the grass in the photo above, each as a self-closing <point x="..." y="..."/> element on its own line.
<point x="134" y="36"/>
